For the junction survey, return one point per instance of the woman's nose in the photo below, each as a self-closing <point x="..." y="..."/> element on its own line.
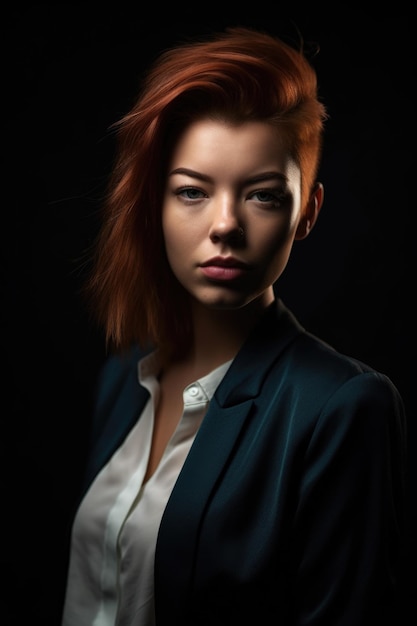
<point x="226" y="223"/>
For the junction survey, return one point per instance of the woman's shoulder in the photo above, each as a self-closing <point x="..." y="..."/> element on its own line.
<point x="316" y="358"/>
<point x="119" y="369"/>
<point x="324" y="372"/>
<point x="118" y="363"/>
<point x="291" y="346"/>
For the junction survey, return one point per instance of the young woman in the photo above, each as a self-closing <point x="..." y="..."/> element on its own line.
<point x="241" y="470"/>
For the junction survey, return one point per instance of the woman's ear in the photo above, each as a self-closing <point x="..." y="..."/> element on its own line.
<point x="311" y="212"/>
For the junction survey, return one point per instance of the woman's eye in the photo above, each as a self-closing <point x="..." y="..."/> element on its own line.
<point x="265" y="196"/>
<point x="191" y="193"/>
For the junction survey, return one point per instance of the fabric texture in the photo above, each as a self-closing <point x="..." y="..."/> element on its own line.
<point x="289" y="506"/>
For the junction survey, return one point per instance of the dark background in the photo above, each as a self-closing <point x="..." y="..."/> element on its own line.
<point x="69" y="72"/>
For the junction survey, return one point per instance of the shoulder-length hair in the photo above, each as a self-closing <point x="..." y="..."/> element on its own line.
<point x="237" y="75"/>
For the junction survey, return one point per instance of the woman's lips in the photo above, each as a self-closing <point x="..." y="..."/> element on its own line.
<point x="223" y="269"/>
<point x="222" y="272"/>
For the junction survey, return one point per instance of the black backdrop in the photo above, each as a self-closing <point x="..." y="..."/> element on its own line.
<point x="69" y="72"/>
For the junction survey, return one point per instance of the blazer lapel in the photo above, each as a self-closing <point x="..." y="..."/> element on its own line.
<point x="229" y="410"/>
<point x="178" y="533"/>
<point x="121" y="410"/>
<point x="245" y="377"/>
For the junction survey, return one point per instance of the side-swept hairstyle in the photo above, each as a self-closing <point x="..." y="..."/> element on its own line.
<point x="239" y="74"/>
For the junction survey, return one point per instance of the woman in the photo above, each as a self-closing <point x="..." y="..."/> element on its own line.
<point x="241" y="469"/>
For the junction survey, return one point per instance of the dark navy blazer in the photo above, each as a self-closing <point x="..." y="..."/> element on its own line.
<point x="288" y="509"/>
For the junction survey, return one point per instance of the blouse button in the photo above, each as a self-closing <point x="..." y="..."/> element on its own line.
<point x="193" y="390"/>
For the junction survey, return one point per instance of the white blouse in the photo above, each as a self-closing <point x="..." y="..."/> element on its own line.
<point x="111" y="570"/>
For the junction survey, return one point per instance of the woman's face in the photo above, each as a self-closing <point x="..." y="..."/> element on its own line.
<point x="231" y="211"/>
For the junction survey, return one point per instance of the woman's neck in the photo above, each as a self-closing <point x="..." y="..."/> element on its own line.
<point x="218" y="335"/>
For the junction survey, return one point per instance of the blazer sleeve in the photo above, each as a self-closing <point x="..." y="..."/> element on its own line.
<point x="350" y="515"/>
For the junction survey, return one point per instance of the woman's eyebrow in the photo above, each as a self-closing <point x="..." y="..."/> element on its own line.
<point x="264" y="176"/>
<point x="192" y="173"/>
<point x="257" y="178"/>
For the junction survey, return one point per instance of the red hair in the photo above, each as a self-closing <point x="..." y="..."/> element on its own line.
<point x="238" y="75"/>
